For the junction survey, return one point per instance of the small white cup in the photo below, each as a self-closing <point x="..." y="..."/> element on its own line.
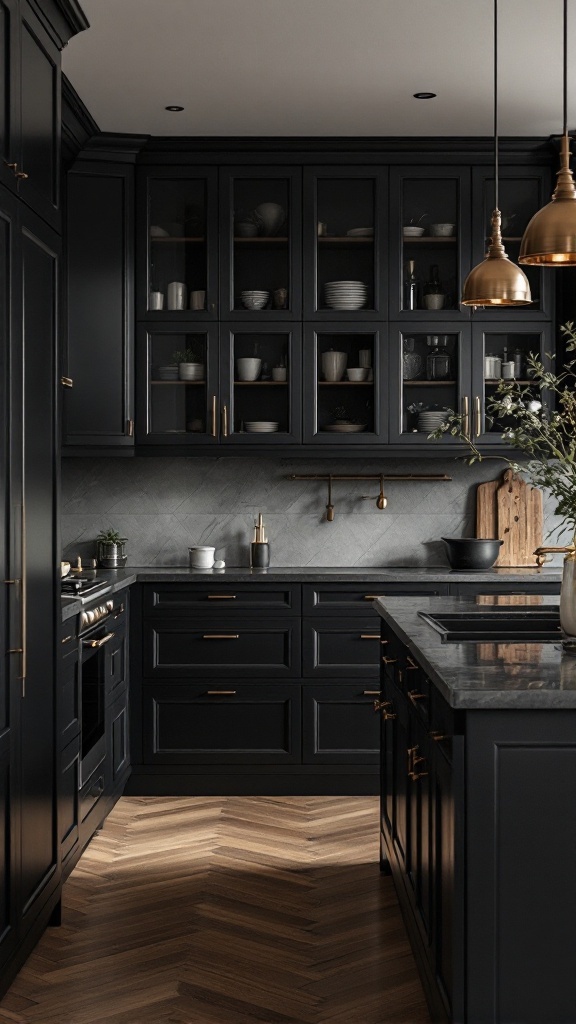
<point x="357" y="373"/>
<point x="156" y="300"/>
<point x="248" y="368"/>
<point x="201" y="557"/>
<point x="176" y="295"/>
<point x="198" y="299"/>
<point x="279" y="373"/>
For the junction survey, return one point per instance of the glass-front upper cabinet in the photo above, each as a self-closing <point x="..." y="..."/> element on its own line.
<point x="261" y="384"/>
<point x="522" y="192"/>
<point x="345" y="243"/>
<point x="179" y="244"/>
<point x="430" y="374"/>
<point x="345" y="385"/>
<point x="178" y="385"/>
<point x="502" y="354"/>
<point x="432" y="240"/>
<point x="261" y="220"/>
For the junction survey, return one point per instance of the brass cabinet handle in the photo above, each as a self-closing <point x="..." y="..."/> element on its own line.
<point x="371" y="693"/>
<point x="213" y="430"/>
<point x="414" y="696"/>
<point x="383" y="705"/>
<point x="67" y="382"/>
<point x="98" y="643"/>
<point x="369" y="636"/>
<point x="66" y="640"/>
<point x="438" y="736"/>
<point x="224" y="421"/>
<point x="221" y="636"/>
<point x="130" y="428"/>
<point x="415" y="759"/>
<point x="221" y="597"/>
<point x="20" y="581"/>
<point x="21" y="175"/>
<point x="13" y="167"/>
<point x="389" y="661"/>
<point x="411" y="664"/>
<point x="24" y="600"/>
<point x="466" y="417"/>
<point x="477" y="416"/>
<point x="221" y="693"/>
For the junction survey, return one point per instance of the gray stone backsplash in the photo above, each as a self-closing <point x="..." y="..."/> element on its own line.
<point x="165" y="505"/>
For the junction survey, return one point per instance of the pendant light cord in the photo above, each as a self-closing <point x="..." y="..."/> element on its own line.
<point x="496" y="206"/>
<point x="565" y="89"/>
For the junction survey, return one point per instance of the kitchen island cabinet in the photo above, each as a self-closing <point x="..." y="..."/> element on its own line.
<point x="478" y="770"/>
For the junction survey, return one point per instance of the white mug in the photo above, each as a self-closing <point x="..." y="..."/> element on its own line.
<point x="197" y="299"/>
<point x="156" y="300"/>
<point x="176" y="295"/>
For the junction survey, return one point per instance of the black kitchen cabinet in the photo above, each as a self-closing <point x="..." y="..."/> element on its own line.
<point x="9" y="93"/>
<point x="98" y="407"/>
<point x="337" y="724"/>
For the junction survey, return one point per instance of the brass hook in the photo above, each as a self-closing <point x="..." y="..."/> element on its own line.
<point x="382" y="500"/>
<point x="330" y="506"/>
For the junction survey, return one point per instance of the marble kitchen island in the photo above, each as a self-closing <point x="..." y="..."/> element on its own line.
<point x="478" y="813"/>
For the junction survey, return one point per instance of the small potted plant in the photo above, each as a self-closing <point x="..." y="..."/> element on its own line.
<point x="111" y="552"/>
<point x="189" y="365"/>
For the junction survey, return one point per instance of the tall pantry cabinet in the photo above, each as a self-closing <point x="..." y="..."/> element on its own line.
<point x="32" y="33"/>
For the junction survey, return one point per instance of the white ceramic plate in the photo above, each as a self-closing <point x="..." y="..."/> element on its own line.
<point x="360" y="232"/>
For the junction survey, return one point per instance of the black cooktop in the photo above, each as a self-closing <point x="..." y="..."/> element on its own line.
<point x="81" y="585"/>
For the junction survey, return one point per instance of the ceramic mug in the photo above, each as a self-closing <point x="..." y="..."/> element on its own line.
<point x="434" y="301"/>
<point x="156" y="300"/>
<point x="198" y="299"/>
<point x="176" y="295"/>
<point x="279" y="373"/>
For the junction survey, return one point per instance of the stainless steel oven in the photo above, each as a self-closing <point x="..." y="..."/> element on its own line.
<point x="95" y="637"/>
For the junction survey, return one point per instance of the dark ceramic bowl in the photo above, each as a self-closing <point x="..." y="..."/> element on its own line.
<point x="471" y="553"/>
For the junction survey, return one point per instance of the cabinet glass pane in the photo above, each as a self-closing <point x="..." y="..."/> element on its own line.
<point x="505" y="357"/>
<point x="346" y="371"/>
<point x="262" y="382"/>
<point x="177" y="244"/>
<point x="177" y="384"/>
<point x="519" y="199"/>
<point x="430" y="373"/>
<point x="261" y="249"/>
<point x="345" y="243"/>
<point x="429" y="243"/>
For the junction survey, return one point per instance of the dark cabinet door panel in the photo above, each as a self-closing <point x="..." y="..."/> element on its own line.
<point x="213" y="723"/>
<point x="40" y="119"/>
<point x="354" y="599"/>
<point x="223" y="648"/>
<point x="116" y="661"/>
<point x="339" y="724"/>
<point x="68" y="699"/>
<point x="7" y="853"/>
<point x="9" y="93"/>
<point x="183" y="598"/>
<point x="68" y="802"/>
<point x="334" y="648"/>
<point x="118" y="740"/>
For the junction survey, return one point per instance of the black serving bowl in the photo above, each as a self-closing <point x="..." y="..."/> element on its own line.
<point x="472" y="553"/>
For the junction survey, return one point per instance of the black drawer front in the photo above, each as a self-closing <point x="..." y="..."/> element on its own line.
<point x="183" y="598"/>
<point x="213" y="723"/>
<point x="218" y="647"/>
<point x="92" y="792"/>
<point x="355" y="599"/>
<point x="339" y="724"/>
<point x="68" y="700"/>
<point x="338" y="648"/>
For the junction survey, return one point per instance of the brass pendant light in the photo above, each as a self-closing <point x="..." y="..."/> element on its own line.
<point x="496" y="281"/>
<point x="550" y="238"/>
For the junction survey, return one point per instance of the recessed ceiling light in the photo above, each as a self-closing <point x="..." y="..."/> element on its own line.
<point x="424" y="95"/>
<point x="174" y="108"/>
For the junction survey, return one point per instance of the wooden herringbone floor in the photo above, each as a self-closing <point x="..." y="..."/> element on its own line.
<point x="228" y="910"/>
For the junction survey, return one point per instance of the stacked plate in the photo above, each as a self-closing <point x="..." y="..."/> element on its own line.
<point x="168" y="372"/>
<point x="361" y="233"/>
<point x="345" y="294"/>
<point x="254" y="299"/>
<point x="261" y="427"/>
<point x="432" y="419"/>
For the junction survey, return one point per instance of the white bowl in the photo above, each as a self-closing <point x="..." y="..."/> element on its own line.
<point x="254" y="301"/>
<point x="248" y="368"/>
<point x="442" y="230"/>
<point x="201" y="557"/>
<point x="357" y="373"/>
<point x="411" y="231"/>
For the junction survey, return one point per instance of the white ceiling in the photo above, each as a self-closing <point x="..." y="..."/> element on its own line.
<point x="321" y="67"/>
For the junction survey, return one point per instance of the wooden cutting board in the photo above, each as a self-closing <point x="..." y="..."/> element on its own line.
<point x="511" y="510"/>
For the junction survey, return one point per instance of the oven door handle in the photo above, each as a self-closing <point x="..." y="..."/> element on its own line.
<point x="98" y="643"/>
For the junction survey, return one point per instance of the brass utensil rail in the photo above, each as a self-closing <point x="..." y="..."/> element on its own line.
<point x="381" y="500"/>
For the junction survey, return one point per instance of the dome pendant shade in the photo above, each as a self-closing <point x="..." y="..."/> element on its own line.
<point x="550" y="238"/>
<point x="496" y="281"/>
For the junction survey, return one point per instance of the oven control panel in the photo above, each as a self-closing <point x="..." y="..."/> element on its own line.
<point x="93" y="615"/>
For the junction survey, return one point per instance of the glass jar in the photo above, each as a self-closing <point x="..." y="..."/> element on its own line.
<point x="438" y="361"/>
<point x="411" y="360"/>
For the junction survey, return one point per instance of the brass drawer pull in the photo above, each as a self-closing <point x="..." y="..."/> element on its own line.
<point x="477" y="416"/>
<point x="383" y="705"/>
<point x="438" y="736"/>
<point x="67" y="382"/>
<point x="371" y="597"/>
<point x="414" y="696"/>
<point x="413" y="760"/>
<point x="213" y="425"/>
<point x="221" y="597"/>
<point x="411" y="664"/>
<point x="220" y="693"/>
<point x="369" y="636"/>
<point x="371" y="693"/>
<point x="99" y="643"/>
<point x="389" y="661"/>
<point x="221" y="636"/>
<point x="66" y="640"/>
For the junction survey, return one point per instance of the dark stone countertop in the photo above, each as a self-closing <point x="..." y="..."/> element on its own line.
<point x="486" y="676"/>
<point x="121" y="578"/>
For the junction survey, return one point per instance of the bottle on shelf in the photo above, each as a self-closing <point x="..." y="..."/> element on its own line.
<point x="518" y="357"/>
<point x="438" y="361"/>
<point x="411" y="287"/>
